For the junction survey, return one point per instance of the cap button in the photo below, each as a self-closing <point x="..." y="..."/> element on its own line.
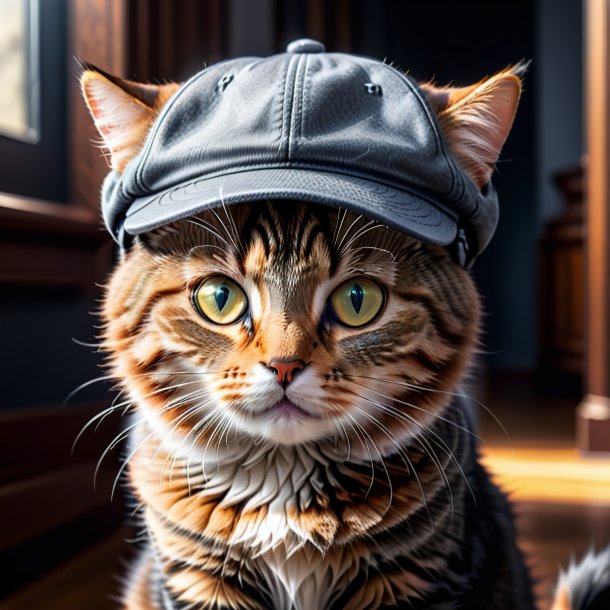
<point x="305" y="45"/>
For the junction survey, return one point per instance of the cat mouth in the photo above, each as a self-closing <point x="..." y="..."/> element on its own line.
<point x="287" y="409"/>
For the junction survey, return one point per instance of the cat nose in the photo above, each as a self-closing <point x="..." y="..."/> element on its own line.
<point x="285" y="369"/>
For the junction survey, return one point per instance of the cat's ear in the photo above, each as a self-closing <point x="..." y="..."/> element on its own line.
<point x="476" y="120"/>
<point x="123" y="111"/>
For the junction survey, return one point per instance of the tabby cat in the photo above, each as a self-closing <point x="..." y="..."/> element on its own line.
<point x="298" y="439"/>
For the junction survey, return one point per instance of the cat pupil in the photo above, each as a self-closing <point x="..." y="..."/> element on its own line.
<point x="222" y="296"/>
<point x="357" y="296"/>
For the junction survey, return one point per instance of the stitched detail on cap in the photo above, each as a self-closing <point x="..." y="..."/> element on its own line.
<point x="287" y="106"/>
<point x="297" y="106"/>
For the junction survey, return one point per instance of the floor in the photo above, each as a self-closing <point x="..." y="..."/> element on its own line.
<point x="90" y="581"/>
<point x="561" y="499"/>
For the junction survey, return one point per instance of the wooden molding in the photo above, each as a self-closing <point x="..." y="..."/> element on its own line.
<point x="597" y="247"/>
<point x="597" y="251"/>
<point x="47" y="243"/>
<point x="25" y="213"/>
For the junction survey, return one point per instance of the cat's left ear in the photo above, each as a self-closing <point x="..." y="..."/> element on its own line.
<point x="476" y="120"/>
<point x="123" y="111"/>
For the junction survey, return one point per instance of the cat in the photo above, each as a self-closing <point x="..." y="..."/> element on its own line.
<point x="298" y="437"/>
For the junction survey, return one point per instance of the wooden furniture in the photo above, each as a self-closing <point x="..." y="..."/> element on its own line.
<point x="561" y="313"/>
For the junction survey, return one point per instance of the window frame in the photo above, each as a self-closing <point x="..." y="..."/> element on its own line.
<point x="44" y="241"/>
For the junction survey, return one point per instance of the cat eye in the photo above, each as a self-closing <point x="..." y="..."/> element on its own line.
<point x="357" y="302"/>
<point x="220" y="300"/>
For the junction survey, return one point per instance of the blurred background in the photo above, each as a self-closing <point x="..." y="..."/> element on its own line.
<point x="543" y="370"/>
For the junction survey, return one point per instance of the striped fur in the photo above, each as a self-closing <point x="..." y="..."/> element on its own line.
<point x="374" y="501"/>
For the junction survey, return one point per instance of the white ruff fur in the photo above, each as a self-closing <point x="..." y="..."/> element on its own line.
<point x="304" y="580"/>
<point x="280" y="477"/>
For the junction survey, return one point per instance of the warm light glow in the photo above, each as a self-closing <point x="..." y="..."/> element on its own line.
<point x="550" y="475"/>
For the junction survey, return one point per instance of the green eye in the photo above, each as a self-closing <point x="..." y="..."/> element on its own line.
<point x="220" y="300"/>
<point x="357" y="302"/>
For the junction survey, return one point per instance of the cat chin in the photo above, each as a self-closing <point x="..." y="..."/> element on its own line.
<point x="287" y="430"/>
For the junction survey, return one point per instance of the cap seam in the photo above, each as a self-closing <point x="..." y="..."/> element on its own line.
<point x="457" y="178"/>
<point x="434" y="125"/>
<point x="305" y="98"/>
<point x="297" y="106"/>
<point x="282" y="90"/>
<point x="287" y="106"/>
<point x="440" y="142"/>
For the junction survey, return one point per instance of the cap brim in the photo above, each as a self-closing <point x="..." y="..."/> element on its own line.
<point x="404" y="211"/>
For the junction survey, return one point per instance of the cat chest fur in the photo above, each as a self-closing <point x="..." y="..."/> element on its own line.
<point x="255" y="511"/>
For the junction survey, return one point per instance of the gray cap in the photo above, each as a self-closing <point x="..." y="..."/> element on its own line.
<point x="305" y="125"/>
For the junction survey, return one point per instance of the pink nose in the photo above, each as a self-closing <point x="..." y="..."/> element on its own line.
<point x="285" y="369"/>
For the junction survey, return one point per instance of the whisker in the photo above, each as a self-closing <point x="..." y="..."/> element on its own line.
<point x="128" y="403"/>
<point x="126" y="462"/>
<point x="188" y="413"/>
<point x="206" y="225"/>
<point x="85" y="344"/>
<point x="431" y="454"/>
<point x="380" y="459"/>
<point x="340" y="218"/>
<point x="233" y="235"/>
<point x="403" y="455"/>
<point x="82" y="386"/>
<point x="453" y="394"/>
<point x="413" y="406"/>
<point x="363" y="442"/>
<point x="347" y="439"/>
<point x="121" y="436"/>
<point x="360" y="233"/>
<point x="411" y="420"/>
<point x="357" y="219"/>
<point x="391" y="254"/>
<point x="219" y="417"/>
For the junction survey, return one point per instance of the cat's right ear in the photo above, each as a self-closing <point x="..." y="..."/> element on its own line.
<point x="122" y="110"/>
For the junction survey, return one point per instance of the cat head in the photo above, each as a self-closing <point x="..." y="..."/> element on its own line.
<point x="293" y="322"/>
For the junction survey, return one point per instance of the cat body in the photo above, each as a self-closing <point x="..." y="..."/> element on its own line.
<point x="298" y="438"/>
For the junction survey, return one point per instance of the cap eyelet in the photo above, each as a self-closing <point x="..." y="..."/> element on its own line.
<point x="372" y="88"/>
<point x="224" y="82"/>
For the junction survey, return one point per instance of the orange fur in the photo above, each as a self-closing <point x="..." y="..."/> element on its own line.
<point x="476" y="120"/>
<point x="123" y="112"/>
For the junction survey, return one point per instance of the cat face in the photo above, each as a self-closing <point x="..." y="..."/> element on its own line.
<point x="291" y="323"/>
